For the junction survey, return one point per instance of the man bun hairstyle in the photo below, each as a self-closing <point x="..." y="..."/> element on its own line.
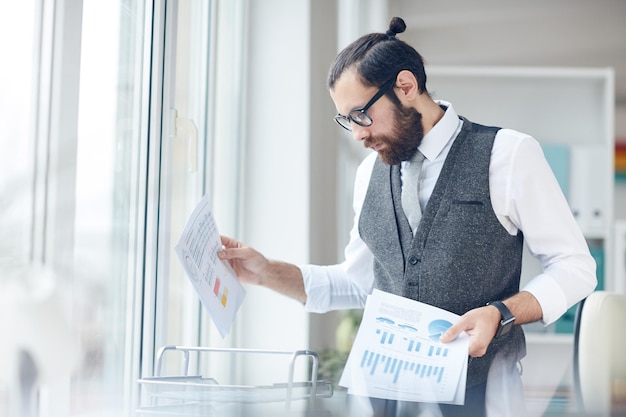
<point x="378" y="57"/>
<point x="396" y="25"/>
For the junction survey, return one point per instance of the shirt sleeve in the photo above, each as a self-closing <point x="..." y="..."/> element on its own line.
<point x="535" y="204"/>
<point x="345" y="285"/>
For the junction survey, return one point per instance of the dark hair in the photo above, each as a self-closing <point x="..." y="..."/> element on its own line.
<point x="378" y="57"/>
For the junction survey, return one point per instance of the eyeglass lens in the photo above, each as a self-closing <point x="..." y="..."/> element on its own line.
<point x="360" y="116"/>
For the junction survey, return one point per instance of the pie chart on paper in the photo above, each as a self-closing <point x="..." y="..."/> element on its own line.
<point x="437" y="327"/>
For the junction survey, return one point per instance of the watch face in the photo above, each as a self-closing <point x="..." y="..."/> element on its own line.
<point x="504" y="330"/>
<point x="505" y="326"/>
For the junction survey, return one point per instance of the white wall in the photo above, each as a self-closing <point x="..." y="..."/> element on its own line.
<point x="290" y="207"/>
<point x="289" y="203"/>
<point x="276" y="173"/>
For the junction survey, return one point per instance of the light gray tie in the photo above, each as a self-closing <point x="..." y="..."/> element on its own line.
<point x="410" y="191"/>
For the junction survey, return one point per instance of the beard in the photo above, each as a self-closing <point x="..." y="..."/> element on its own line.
<point x="406" y="136"/>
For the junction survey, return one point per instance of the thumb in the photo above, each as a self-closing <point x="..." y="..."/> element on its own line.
<point x="226" y="253"/>
<point x="452" y="333"/>
<point x="222" y="253"/>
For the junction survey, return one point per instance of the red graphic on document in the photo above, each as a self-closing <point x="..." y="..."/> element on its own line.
<point x="220" y="291"/>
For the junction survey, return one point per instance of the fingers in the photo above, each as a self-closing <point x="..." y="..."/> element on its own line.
<point x="231" y="248"/>
<point x="228" y="245"/>
<point x="235" y="251"/>
<point x="229" y="242"/>
<point x="480" y="326"/>
<point x="452" y="333"/>
<point x="478" y="347"/>
<point x="230" y="253"/>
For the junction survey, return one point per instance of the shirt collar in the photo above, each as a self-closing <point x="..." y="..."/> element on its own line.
<point x="441" y="133"/>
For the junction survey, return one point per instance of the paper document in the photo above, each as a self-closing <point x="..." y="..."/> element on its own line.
<point x="214" y="280"/>
<point x="397" y="353"/>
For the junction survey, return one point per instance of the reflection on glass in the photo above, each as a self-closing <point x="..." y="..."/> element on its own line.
<point x="107" y="191"/>
<point x="17" y="24"/>
<point x="183" y="166"/>
<point x="17" y="121"/>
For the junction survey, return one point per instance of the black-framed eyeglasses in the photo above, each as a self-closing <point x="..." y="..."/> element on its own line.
<point x="360" y="116"/>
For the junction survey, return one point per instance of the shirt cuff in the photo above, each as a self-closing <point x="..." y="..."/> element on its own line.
<point x="328" y="288"/>
<point x="550" y="296"/>
<point x="316" y="287"/>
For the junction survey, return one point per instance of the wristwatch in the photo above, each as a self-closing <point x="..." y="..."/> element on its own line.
<point x="506" y="318"/>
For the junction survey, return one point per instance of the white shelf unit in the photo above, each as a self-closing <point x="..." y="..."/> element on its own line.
<point x="572" y="108"/>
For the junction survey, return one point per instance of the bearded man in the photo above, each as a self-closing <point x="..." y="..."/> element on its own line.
<point x="443" y="208"/>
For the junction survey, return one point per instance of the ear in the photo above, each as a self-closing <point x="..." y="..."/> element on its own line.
<point x="406" y="87"/>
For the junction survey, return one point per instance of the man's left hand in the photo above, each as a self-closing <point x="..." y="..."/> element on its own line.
<point x="480" y="324"/>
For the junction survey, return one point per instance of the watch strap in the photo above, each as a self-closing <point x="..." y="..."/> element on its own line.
<point x="506" y="318"/>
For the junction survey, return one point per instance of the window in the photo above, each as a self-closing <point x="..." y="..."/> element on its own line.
<point x="17" y="93"/>
<point x="112" y="125"/>
<point x="201" y="136"/>
<point x="111" y="153"/>
<point x="16" y="162"/>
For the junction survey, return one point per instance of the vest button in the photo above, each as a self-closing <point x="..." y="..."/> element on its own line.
<point x="413" y="260"/>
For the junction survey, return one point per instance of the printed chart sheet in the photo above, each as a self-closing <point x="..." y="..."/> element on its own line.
<point x="397" y="353"/>
<point x="214" y="280"/>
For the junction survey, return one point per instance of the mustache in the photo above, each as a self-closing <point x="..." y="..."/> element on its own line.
<point x="374" y="139"/>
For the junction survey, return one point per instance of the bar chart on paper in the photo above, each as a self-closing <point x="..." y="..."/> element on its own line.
<point x="394" y="366"/>
<point x="400" y="356"/>
<point x="405" y="354"/>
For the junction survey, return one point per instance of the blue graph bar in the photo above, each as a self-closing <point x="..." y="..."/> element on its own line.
<point x="395" y="378"/>
<point x="376" y="358"/>
<point x="364" y="359"/>
<point x="387" y="365"/>
<point x="414" y="346"/>
<point x="395" y="366"/>
<point x="384" y="339"/>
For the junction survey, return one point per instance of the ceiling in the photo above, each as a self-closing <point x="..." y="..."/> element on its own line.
<point x="561" y="33"/>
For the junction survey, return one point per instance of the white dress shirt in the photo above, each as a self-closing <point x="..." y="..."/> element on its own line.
<point x="525" y="196"/>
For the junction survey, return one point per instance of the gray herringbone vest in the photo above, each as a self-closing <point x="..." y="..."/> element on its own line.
<point x="461" y="257"/>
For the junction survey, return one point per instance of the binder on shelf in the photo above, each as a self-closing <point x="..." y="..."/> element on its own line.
<point x="558" y="157"/>
<point x="598" y="255"/>
<point x="588" y="187"/>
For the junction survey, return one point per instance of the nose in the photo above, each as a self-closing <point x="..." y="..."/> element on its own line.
<point x="359" y="133"/>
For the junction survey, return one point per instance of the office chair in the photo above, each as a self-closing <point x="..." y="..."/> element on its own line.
<point x="600" y="354"/>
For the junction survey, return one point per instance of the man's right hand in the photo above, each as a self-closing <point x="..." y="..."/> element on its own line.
<point x="253" y="268"/>
<point x="249" y="265"/>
